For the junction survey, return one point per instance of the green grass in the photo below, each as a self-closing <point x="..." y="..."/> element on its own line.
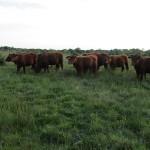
<point x="60" y="111"/>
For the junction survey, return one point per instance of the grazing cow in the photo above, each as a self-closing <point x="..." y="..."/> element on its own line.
<point x="118" y="61"/>
<point x="46" y="59"/>
<point x="83" y="63"/>
<point x="60" y="57"/>
<point x="101" y="59"/>
<point x="141" y="66"/>
<point x="23" y="60"/>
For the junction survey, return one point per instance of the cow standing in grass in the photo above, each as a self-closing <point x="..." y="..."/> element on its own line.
<point x="101" y="59"/>
<point x="118" y="61"/>
<point x="60" y="57"/>
<point x="46" y="59"/>
<point x="141" y="65"/>
<point x="83" y="64"/>
<point x="22" y="60"/>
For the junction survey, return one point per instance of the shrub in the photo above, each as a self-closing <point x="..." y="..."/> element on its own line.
<point x="2" y="61"/>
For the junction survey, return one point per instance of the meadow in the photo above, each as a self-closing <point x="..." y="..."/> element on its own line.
<point x="59" y="111"/>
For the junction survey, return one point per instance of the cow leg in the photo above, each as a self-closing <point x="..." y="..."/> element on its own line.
<point x="141" y="76"/>
<point x="33" y="67"/>
<point x="137" y="75"/>
<point x="24" y="69"/>
<point x="113" y="68"/>
<point x="145" y="75"/>
<point x="45" y="70"/>
<point x="127" y="66"/>
<point x="94" y="69"/>
<point x="105" y="66"/>
<point x="47" y="67"/>
<point x="85" y="70"/>
<point x="18" y="68"/>
<point x="79" y="73"/>
<point x="61" y="64"/>
<point x="122" y="68"/>
<point x="57" y="67"/>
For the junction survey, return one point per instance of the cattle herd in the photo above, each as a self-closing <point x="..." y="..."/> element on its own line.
<point x="88" y="62"/>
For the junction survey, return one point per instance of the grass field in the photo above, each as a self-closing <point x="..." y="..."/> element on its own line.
<point x="58" y="111"/>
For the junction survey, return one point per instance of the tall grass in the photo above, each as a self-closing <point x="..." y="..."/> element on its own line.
<point x="60" y="111"/>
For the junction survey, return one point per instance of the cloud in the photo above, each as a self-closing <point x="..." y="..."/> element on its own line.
<point x="19" y="4"/>
<point x="15" y="27"/>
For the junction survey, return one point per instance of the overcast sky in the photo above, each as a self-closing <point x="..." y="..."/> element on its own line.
<point x="88" y="24"/>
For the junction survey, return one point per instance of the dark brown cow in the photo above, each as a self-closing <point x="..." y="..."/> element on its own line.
<point x="46" y="59"/>
<point x="118" y="61"/>
<point x="23" y="60"/>
<point x="60" y="57"/>
<point x="83" y="63"/>
<point x="141" y="66"/>
<point x="101" y="59"/>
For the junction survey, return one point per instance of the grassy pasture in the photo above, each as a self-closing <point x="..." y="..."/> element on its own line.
<point x="59" y="111"/>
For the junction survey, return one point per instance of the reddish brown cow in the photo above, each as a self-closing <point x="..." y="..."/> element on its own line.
<point x="118" y="61"/>
<point x="141" y="66"/>
<point x="60" y="57"/>
<point x="83" y="63"/>
<point x="46" y="59"/>
<point x="101" y="59"/>
<point x="23" y="60"/>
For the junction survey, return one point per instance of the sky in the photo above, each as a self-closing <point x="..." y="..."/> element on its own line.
<point x="64" y="24"/>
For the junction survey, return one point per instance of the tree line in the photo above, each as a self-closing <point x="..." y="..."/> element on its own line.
<point x="76" y="51"/>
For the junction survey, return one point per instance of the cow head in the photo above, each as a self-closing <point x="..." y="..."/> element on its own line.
<point x="107" y="59"/>
<point x="71" y="59"/>
<point x="10" y="57"/>
<point x="135" y="59"/>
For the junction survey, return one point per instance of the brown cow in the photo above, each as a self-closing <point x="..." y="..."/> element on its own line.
<point x="101" y="59"/>
<point x="118" y="61"/>
<point x="23" y="60"/>
<point x="83" y="63"/>
<point x="141" y="66"/>
<point x="46" y="59"/>
<point x="60" y="57"/>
